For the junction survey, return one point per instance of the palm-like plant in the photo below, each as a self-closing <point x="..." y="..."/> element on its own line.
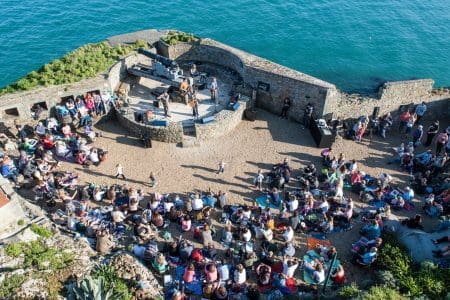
<point x="92" y="289"/>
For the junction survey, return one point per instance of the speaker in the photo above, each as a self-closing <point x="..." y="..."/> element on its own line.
<point x="138" y="116"/>
<point x="208" y="120"/>
<point x="250" y="114"/>
<point x="156" y="103"/>
<point x="375" y="113"/>
<point x="263" y="86"/>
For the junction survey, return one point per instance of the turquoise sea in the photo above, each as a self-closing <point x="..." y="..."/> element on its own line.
<point x="355" y="44"/>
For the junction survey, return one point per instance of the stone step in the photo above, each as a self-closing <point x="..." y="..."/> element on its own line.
<point x="189" y="142"/>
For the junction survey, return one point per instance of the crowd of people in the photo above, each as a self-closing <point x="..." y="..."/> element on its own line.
<point x="254" y="248"/>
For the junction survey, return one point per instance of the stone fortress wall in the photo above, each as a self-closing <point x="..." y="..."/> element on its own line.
<point x="280" y="81"/>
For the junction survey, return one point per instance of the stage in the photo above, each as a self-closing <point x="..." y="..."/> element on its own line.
<point x="141" y="99"/>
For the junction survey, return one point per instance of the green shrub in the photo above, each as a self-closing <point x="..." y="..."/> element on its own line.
<point x="386" y="278"/>
<point x="382" y="293"/>
<point x="14" y="249"/>
<point x="41" y="231"/>
<point x="20" y="222"/>
<point x="119" y="286"/>
<point x="173" y="37"/>
<point x="42" y="257"/>
<point x="10" y="284"/>
<point x="349" y="291"/>
<point x="85" y="62"/>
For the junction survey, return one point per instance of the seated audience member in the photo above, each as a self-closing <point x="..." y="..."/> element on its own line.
<point x="338" y="275"/>
<point x="414" y="222"/>
<point x="189" y="273"/>
<point x="369" y="257"/>
<point x="316" y="270"/>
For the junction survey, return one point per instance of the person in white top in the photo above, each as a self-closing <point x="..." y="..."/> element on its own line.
<point x="316" y="269"/>
<point x="93" y="156"/>
<point x="293" y="204"/>
<point x="259" y="180"/>
<point x="246" y="235"/>
<point x="289" y="266"/>
<point x="240" y="276"/>
<point x="197" y="203"/>
<point x="167" y="206"/>
<point x="119" y="171"/>
<point x="267" y="233"/>
<point x="117" y="216"/>
<point x="288" y="234"/>
<point x="224" y="272"/>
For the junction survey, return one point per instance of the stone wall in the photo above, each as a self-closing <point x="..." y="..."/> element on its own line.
<point x="282" y="81"/>
<point x="173" y="133"/>
<point x="23" y="101"/>
<point x="118" y="72"/>
<point x="390" y="97"/>
<point x="225" y="121"/>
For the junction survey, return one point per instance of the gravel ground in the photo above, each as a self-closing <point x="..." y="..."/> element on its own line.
<point x="251" y="146"/>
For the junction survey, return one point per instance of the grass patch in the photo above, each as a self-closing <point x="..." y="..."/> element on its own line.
<point x="10" y="285"/>
<point x="14" y="249"/>
<point x="41" y="231"/>
<point x="82" y="63"/>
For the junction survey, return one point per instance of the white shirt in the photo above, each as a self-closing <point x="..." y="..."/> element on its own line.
<point x="197" y="204"/>
<point x="224" y="272"/>
<point x="119" y="170"/>
<point x="260" y="178"/>
<point x="288" y="234"/>
<point x="293" y="205"/>
<point x="117" y="216"/>
<point x="246" y="236"/>
<point x="240" y="277"/>
<point x="168" y="206"/>
<point x="289" y="271"/>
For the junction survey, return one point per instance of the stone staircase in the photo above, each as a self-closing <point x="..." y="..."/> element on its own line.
<point x="189" y="134"/>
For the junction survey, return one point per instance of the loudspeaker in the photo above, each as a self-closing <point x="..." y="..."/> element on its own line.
<point x="208" y="119"/>
<point x="263" y="86"/>
<point x="375" y="113"/>
<point x="138" y="116"/>
<point x="156" y="103"/>
<point x="250" y="114"/>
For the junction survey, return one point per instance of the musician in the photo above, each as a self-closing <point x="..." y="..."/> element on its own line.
<point x="213" y="89"/>
<point x="184" y="89"/>
<point x="164" y="97"/>
<point x="194" y="104"/>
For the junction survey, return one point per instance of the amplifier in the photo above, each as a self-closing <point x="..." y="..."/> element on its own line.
<point x="156" y="103"/>
<point x="208" y="119"/>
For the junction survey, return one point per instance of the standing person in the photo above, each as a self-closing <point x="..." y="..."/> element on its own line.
<point x="164" y="97"/>
<point x="194" y="104"/>
<point x="184" y="89"/>
<point x="213" y="87"/>
<point x="221" y="167"/>
<point x="360" y="132"/>
<point x="285" y="108"/>
<point x="441" y="140"/>
<point x="404" y="117"/>
<point x="431" y="132"/>
<point x="153" y="181"/>
<point x="119" y="171"/>
<point x="259" y="180"/>
<point x="410" y="124"/>
<point x="309" y="110"/>
<point x="420" y="111"/>
<point x="417" y="135"/>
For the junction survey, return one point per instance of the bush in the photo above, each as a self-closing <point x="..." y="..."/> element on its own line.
<point x="427" y="279"/>
<point x="349" y="291"/>
<point x="38" y="255"/>
<point x="10" y="284"/>
<point x="85" y="62"/>
<point x="21" y="222"/>
<point x="173" y="37"/>
<point x="382" y="293"/>
<point x="119" y="286"/>
<point x="14" y="249"/>
<point x="41" y="231"/>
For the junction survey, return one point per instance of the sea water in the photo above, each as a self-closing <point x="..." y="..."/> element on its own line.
<point x="355" y="44"/>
